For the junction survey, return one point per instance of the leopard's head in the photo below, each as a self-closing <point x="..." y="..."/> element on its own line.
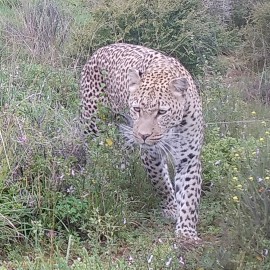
<point x="156" y="102"/>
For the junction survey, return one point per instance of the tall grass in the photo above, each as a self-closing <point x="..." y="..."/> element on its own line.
<point x="40" y="30"/>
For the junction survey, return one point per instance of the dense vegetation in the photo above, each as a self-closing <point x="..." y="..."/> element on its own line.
<point x="68" y="205"/>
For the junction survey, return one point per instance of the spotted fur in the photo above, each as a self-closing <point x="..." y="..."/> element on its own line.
<point x="167" y="122"/>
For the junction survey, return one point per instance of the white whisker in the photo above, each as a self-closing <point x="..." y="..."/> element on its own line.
<point x="167" y="152"/>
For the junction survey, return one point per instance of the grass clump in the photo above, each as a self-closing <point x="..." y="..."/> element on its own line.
<point x="41" y="29"/>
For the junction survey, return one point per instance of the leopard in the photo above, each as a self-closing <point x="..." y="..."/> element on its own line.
<point x="163" y="103"/>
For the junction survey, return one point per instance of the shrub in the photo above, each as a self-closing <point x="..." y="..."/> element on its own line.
<point x="179" y="28"/>
<point x="256" y="46"/>
<point x="240" y="12"/>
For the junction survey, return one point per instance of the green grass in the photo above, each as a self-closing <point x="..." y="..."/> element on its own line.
<point x="67" y="205"/>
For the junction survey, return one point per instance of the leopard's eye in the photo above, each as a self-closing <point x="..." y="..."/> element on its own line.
<point x="137" y="109"/>
<point x="160" y="112"/>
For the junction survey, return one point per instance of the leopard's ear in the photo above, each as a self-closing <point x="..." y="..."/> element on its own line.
<point x="179" y="86"/>
<point x="134" y="79"/>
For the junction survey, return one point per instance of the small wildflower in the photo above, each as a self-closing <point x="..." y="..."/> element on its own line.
<point x="103" y="117"/>
<point x="263" y="122"/>
<point x="253" y="153"/>
<point x="251" y="178"/>
<point x="150" y="258"/>
<point x="267" y="132"/>
<point x="259" y="179"/>
<point x="259" y="258"/>
<point x="130" y="260"/>
<point x="261" y="139"/>
<point x="235" y="199"/>
<point x="122" y="166"/>
<point x="109" y="142"/>
<point x="236" y="155"/>
<point x="181" y="260"/>
<point x="235" y="169"/>
<point x="265" y="252"/>
<point x="253" y="113"/>
<point x="22" y="139"/>
<point x="168" y="263"/>
<point x="51" y="233"/>
<point x="235" y="178"/>
<point x="70" y="190"/>
<point x="217" y="162"/>
<point x="239" y="186"/>
<point x="267" y="178"/>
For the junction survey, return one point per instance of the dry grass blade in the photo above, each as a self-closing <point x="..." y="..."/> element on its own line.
<point x="41" y="29"/>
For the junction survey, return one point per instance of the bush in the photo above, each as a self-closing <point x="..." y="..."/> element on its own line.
<point x="256" y="46"/>
<point x="180" y="28"/>
<point x="240" y="12"/>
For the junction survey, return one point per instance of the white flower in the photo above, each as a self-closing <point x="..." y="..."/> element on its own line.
<point x="168" y="263"/>
<point x="181" y="260"/>
<point x="149" y="260"/>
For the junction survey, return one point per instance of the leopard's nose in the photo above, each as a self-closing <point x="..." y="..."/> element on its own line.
<point x="144" y="136"/>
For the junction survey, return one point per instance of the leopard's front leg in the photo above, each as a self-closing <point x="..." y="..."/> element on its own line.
<point x="188" y="191"/>
<point x="157" y="171"/>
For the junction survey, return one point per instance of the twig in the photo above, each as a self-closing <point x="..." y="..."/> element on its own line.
<point x="239" y="122"/>
<point x="2" y="139"/>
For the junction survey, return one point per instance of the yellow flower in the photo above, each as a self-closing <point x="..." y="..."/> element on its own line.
<point x="267" y="132"/>
<point x="253" y="153"/>
<point x="235" y="178"/>
<point x="267" y="178"/>
<point x="239" y="186"/>
<point x="102" y="117"/>
<point x="261" y="139"/>
<point x="253" y="113"/>
<point x="236" y="155"/>
<point x="259" y="258"/>
<point x="250" y="178"/>
<point x="263" y="122"/>
<point x="109" y="142"/>
<point x="235" y="199"/>
<point x="235" y="169"/>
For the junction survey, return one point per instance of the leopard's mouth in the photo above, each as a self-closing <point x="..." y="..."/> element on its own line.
<point x="147" y="142"/>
